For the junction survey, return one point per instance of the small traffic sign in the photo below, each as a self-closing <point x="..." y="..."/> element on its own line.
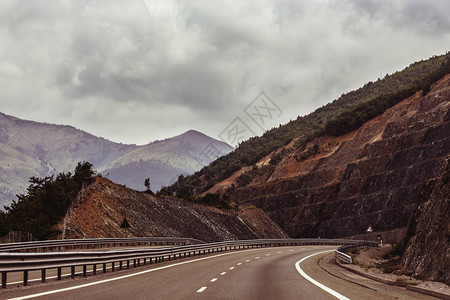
<point x="369" y="229"/>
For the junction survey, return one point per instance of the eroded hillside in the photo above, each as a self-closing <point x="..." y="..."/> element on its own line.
<point x="338" y="186"/>
<point x="104" y="205"/>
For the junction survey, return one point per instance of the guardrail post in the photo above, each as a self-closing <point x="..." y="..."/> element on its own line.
<point x="84" y="270"/>
<point x="120" y="265"/>
<point x="94" y="269"/>
<point x="25" y="278"/>
<point x="112" y="266"/>
<point x="72" y="271"/>
<point x="104" y="268"/>
<point x="43" y="275"/>
<point x="128" y="264"/>
<point x="4" y="275"/>
<point x="59" y="273"/>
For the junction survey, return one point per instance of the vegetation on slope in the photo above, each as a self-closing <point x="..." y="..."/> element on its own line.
<point x="343" y="115"/>
<point x="45" y="203"/>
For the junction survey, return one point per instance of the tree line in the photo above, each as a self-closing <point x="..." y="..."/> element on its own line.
<point x="45" y="202"/>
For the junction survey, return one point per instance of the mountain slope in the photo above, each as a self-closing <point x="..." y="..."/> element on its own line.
<point x="163" y="161"/>
<point x="336" y="118"/>
<point x="104" y="205"/>
<point x="30" y="148"/>
<point x="333" y="174"/>
<point x="338" y="186"/>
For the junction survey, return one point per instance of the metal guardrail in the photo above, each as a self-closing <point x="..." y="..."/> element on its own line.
<point x="347" y="259"/>
<point x="26" y="262"/>
<point x="95" y="243"/>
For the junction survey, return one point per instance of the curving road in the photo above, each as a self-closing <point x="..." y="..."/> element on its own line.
<point x="267" y="273"/>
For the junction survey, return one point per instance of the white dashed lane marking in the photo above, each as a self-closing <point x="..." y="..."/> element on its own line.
<point x="257" y="257"/>
<point x="231" y="268"/>
<point x="239" y="264"/>
<point x="268" y="254"/>
<point x="247" y="260"/>
<point x="223" y="273"/>
<point x="214" y="279"/>
<point x="200" y="290"/>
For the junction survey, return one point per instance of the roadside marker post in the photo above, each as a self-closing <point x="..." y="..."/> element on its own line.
<point x="381" y="239"/>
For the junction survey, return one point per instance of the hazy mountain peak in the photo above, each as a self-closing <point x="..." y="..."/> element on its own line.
<point x="31" y="148"/>
<point x="200" y="138"/>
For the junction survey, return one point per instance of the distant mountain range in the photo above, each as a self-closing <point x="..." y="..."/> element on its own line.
<point x="29" y="148"/>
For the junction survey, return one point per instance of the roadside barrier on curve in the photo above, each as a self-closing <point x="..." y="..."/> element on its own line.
<point x="52" y="245"/>
<point x="347" y="259"/>
<point x="125" y="258"/>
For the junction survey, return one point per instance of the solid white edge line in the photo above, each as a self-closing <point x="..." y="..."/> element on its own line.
<point x="316" y="283"/>
<point x="200" y="290"/>
<point x="125" y="276"/>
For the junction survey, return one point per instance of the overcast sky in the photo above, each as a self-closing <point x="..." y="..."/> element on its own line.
<point x="135" y="71"/>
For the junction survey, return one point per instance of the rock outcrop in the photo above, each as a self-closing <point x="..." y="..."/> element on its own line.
<point x="370" y="176"/>
<point x="427" y="253"/>
<point x="105" y="205"/>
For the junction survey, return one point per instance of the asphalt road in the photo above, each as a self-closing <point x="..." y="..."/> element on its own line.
<point x="268" y="273"/>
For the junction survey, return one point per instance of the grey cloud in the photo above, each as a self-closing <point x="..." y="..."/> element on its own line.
<point x="416" y="16"/>
<point x="428" y="17"/>
<point x="141" y="70"/>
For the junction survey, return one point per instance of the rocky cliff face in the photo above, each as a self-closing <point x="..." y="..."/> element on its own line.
<point x="427" y="253"/>
<point x="104" y="205"/>
<point x="368" y="177"/>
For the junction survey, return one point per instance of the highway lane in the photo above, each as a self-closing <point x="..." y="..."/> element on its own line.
<point x="267" y="273"/>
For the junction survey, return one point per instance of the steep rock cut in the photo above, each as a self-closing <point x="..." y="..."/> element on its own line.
<point x="104" y="205"/>
<point x="427" y="253"/>
<point x="369" y="176"/>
